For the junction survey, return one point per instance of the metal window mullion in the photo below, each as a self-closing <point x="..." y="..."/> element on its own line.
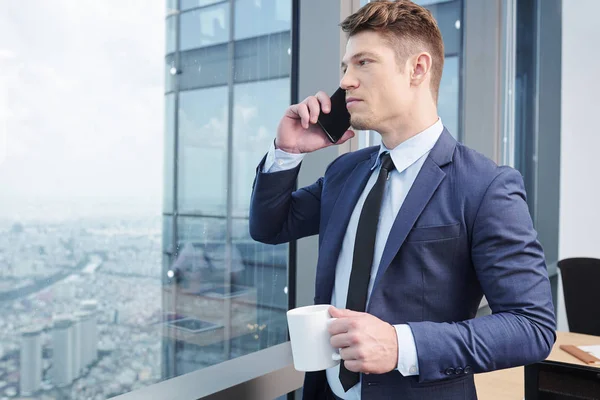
<point x="229" y="166"/>
<point x="175" y="196"/>
<point x="508" y="21"/>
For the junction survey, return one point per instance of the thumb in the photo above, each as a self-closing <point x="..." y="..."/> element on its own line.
<point x="342" y="313"/>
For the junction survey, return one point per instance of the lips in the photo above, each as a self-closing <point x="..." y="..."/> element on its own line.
<point x="350" y="101"/>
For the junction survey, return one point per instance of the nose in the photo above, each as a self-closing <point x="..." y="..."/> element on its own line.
<point x="348" y="82"/>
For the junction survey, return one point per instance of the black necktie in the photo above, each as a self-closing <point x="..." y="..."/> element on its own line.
<point x="364" y="248"/>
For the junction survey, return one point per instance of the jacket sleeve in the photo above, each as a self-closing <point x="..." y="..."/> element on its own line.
<point x="278" y="212"/>
<point x="509" y="263"/>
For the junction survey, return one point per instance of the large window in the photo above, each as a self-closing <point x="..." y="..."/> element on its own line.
<point x="224" y="295"/>
<point x="126" y="162"/>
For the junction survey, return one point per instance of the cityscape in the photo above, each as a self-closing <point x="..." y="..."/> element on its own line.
<point x="80" y="307"/>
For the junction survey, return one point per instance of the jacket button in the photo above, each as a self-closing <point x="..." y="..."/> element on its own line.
<point x="467" y="369"/>
<point x="449" y="371"/>
<point x="458" y="371"/>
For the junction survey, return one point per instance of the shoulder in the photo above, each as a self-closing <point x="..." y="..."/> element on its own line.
<point x="479" y="169"/>
<point x="480" y="178"/>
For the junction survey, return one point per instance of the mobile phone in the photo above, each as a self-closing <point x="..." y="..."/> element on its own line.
<point x="337" y="122"/>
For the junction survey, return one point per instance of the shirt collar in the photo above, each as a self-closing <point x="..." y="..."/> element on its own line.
<point x="408" y="152"/>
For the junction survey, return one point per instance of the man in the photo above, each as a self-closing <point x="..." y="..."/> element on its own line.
<point x="412" y="233"/>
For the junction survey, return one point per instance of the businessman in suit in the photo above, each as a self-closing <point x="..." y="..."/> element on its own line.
<point x="412" y="233"/>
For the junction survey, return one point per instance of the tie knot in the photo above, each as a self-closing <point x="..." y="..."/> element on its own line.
<point x="386" y="162"/>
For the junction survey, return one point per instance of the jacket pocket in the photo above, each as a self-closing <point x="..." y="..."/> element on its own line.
<point x="431" y="233"/>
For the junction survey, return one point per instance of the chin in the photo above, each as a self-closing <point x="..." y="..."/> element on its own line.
<point x="361" y="124"/>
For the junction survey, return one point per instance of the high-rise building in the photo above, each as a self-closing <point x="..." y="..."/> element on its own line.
<point x="62" y="351"/>
<point x="78" y="350"/>
<point x="31" y="361"/>
<point x="90" y="331"/>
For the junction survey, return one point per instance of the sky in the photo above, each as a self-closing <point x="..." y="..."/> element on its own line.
<point x="81" y="106"/>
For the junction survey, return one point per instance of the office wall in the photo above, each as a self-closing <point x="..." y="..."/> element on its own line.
<point x="580" y="139"/>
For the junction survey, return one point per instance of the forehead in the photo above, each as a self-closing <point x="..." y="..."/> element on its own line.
<point x="373" y="43"/>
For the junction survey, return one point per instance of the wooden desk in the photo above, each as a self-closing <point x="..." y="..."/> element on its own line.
<point x="509" y="384"/>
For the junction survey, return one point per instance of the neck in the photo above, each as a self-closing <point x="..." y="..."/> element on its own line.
<point x="408" y="126"/>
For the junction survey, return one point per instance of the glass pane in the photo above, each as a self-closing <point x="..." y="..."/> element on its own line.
<point x="187" y="4"/>
<point x="448" y="101"/>
<point x="204" y="27"/>
<point x="202" y="162"/>
<point x="82" y="105"/>
<point x="169" y="146"/>
<point x="267" y="16"/>
<point x="263" y="58"/>
<point x="169" y="77"/>
<point x="448" y="17"/>
<point x="171" y="6"/>
<point x="258" y="107"/>
<point x="171" y="36"/>
<point x="167" y="234"/>
<point x="203" y="67"/>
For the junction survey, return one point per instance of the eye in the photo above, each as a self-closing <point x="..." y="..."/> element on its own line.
<point x="363" y="62"/>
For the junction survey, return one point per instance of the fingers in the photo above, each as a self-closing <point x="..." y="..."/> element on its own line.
<point x="314" y="108"/>
<point x="301" y="110"/>
<point x="309" y="109"/>
<point x="354" y="365"/>
<point x="339" y="312"/>
<point x="342" y="340"/>
<point x="351" y="354"/>
<point x="325" y="101"/>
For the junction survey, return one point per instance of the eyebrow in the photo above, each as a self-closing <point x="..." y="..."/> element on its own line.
<point x="362" y="54"/>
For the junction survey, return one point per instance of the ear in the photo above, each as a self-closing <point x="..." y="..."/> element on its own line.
<point x="421" y="66"/>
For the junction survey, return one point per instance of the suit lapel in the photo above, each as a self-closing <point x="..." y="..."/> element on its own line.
<point x="336" y="227"/>
<point x="423" y="188"/>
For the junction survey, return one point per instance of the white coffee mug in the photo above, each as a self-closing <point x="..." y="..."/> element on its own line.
<point x="311" y="348"/>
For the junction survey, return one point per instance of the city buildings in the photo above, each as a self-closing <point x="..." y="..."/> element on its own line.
<point x="94" y="305"/>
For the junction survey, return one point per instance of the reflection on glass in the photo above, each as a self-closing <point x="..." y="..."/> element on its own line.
<point x="169" y="77"/>
<point x="203" y="151"/>
<point x="187" y="4"/>
<point x="167" y="234"/>
<point x="204" y="27"/>
<point x="258" y="107"/>
<point x="229" y="298"/>
<point x="171" y="6"/>
<point x="267" y="16"/>
<point x="224" y="295"/>
<point x="169" y="149"/>
<point x="448" y="100"/>
<point x="265" y="57"/>
<point x="206" y="66"/>
<point x="448" y="17"/>
<point x="170" y="31"/>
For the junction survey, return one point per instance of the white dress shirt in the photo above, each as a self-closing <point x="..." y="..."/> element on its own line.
<point x="408" y="158"/>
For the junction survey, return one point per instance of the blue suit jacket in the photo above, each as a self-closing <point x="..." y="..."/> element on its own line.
<point x="464" y="230"/>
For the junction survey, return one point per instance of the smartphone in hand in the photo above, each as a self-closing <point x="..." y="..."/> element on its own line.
<point x="337" y="122"/>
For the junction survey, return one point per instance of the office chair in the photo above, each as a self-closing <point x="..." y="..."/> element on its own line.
<point x="581" y="288"/>
<point x="551" y="380"/>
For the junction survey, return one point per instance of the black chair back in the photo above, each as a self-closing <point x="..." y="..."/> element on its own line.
<point x="581" y="288"/>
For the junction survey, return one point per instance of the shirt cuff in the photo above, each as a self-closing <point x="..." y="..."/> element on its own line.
<point x="279" y="160"/>
<point x="408" y="364"/>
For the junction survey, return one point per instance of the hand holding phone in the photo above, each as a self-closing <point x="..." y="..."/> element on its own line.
<point x="317" y="122"/>
<point x="337" y="121"/>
